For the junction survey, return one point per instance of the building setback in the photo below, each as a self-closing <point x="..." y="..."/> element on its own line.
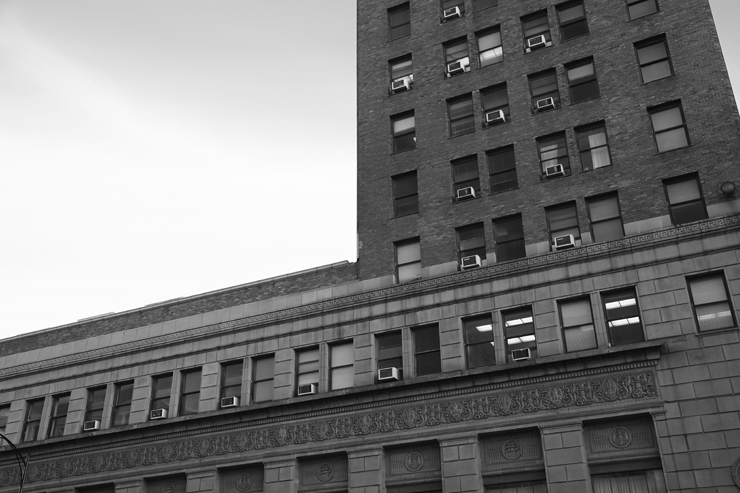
<point x="544" y="301"/>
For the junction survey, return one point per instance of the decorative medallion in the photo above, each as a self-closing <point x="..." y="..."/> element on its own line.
<point x="610" y="388"/>
<point x="456" y="410"/>
<point x="409" y="417"/>
<point x="735" y="471"/>
<point x="169" y="488"/>
<point x="414" y="461"/>
<point x="512" y="449"/>
<point x="504" y="403"/>
<point x="620" y="437"/>
<point x="244" y="482"/>
<point x="556" y="395"/>
<point x="325" y="472"/>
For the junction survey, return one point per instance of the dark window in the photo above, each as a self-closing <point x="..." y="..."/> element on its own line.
<point x="508" y="233"/>
<point x="484" y="4"/>
<point x="685" y="200"/>
<point x="426" y="350"/>
<point x="263" y="379"/>
<point x="495" y="99"/>
<point x="460" y="111"/>
<point x="542" y="86"/>
<point x="479" y="341"/>
<point x="33" y="420"/>
<point x="405" y="194"/>
<point x="404" y="131"/>
<point x="448" y="4"/>
<point x="307" y="369"/>
<point x="711" y="302"/>
<point x="401" y="67"/>
<point x="572" y="17"/>
<point x="465" y="174"/>
<point x="122" y="405"/>
<point x="502" y="168"/>
<point x="639" y="8"/>
<point x="390" y="352"/>
<point x="654" y="59"/>
<point x="231" y="379"/>
<point x="593" y="146"/>
<point x="162" y="387"/>
<point x="4" y="413"/>
<point x="490" y="50"/>
<point x="606" y="221"/>
<point x="471" y="240"/>
<point x="669" y="126"/>
<point x="190" y="392"/>
<point x="578" y="325"/>
<point x="582" y="81"/>
<point x="408" y="260"/>
<point x="562" y="220"/>
<point x="519" y="331"/>
<point x="534" y="26"/>
<point x="341" y="363"/>
<point x="553" y="150"/>
<point x="622" y="317"/>
<point x="457" y="59"/>
<point x="59" y="411"/>
<point x="95" y="404"/>
<point x="399" y="20"/>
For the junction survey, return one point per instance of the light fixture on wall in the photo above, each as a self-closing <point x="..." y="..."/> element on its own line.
<point x="728" y="189"/>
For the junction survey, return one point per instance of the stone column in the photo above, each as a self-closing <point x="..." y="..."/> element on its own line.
<point x="565" y="458"/>
<point x="130" y="486"/>
<point x="366" y="471"/>
<point x="461" y="464"/>
<point x="281" y="476"/>
<point x="201" y="481"/>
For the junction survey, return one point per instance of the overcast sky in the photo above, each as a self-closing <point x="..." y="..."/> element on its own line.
<point x="153" y="149"/>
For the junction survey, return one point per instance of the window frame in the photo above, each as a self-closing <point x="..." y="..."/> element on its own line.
<point x="517" y="334"/>
<point x="118" y="405"/>
<point x="402" y="7"/>
<point x="31" y="405"/>
<point x="582" y="129"/>
<point x="227" y="389"/>
<point x="422" y="333"/>
<point x="488" y="351"/>
<point x="399" y="137"/>
<point x="488" y="4"/>
<point x="599" y="198"/>
<point x="562" y="157"/>
<point x="653" y="110"/>
<point x="492" y="161"/>
<point x="380" y="362"/>
<point x="403" y="243"/>
<point x="4" y="414"/>
<point x="499" y="245"/>
<point x="556" y="207"/>
<point x="487" y="96"/>
<point x="90" y="411"/>
<point x="553" y="93"/>
<point x="336" y="367"/>
<point x="572" y="22"/>
<point x="161" y="397"/>
<point x="184" y="374"/>
<point x="531" y="16"/>
<point x="479" y="35"/>
<point x="400" y="200"/>
<point x="58" y="420"/>
<point x="578" y="299"/>
<point x="307" y="367"/>
<point x="400" y="61"/>
<point x="476" y="228"/>
<point x="457" y="182"/>
<point x="582" y="82"/>
<point x="256" y="360"/>
<point x="720" y="275"/>
<point x="465" y="120"/>
<point x="450" y="56"/>
<point x="630" y="3"/>
<point x="608" y="297"/>
<point x="678" y="179"/>
<point x="655" y="40"/>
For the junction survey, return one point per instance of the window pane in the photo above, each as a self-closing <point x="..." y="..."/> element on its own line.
<point x="342" y="378"/>
<point x="263" y="391"/>
<point x="403" y="124"/>
<point x="409" y="272"/>
<point x="580" y="338"/>
<point x="162" y="386"/>
<point x="537" y="24"/>
<point x="120" y="415"/>
<point x="404" y="142"/>
<point x="563" y="218"/>
<point x="656" y="71"/>
<point x="408" y="252"/>
<point x="483" y="354"/>
<point x="673" y="139"/>
<point x="264" y="369"/>
<point x="125" y="392"/>
<point x="508" y="229"/>
<point x="587" y="90"/>
<point x="510" y="251"/>
<point x="31" y="431"/>
<point x="491" y="56"/>
<point x="477" y="330"/>
<point x="652" y="53"/>
<point x="494" y="98"/>
<point x="232" y="374"/>
<point x="689" y="212"/>
<point x="576" y="73"/>
<point x="428" y="363"/>
<point x="608" y="230"/>
<point x="191" y="382"/>
<point x="401" y="69"/>
<point x="190" y="404"/>
<point x="576" y="312"/>
<point x="683" y="191"/>
<point x="570" y="13"/>
<point x="34" y="410"/>
<point x="484" y="4"/>
<point x="708" y="290"/>
<point x="666" y="119"/>
<point x="456" y="51"/>
<point x="603" y="209"/>
<point x="714" y="316"/>
<point x="641" y="9"/>
<point x="4" y="412"/>
<point x="489" y="41"/>
<point x="426" y="339"/>
<point x="342" y="354"/>
<point x="96" y="399"/>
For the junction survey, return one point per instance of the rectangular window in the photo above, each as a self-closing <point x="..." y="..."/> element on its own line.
<point x="404" y="131"/>
<point x="401" y="67"/>
<point x="399" y="21"/>
<point x="578" y="325"/>
<point x="161" y="390"/>
<point x="484" y="4"/>
<point x="654" y="59"/>
<point x="582" y="81"/>
<point x="544" y="89"/>
<point x="426" y="351"/>
<point x="572" y="17"/>
<point x="502" y="169"/>
<point x="508" y="233"/>
<point x="685" y="200"/>
<point x="534" y="26"/>
<point x="59" y="410"/>
<point x="231" y="379"/>
<point x="711" y="302"/>
<point x="33" y="420"/>
<point x="606" y="220"/>
<point x="471" y="240"/>
<point x="562" y="220"/>
<point x="495" y="103"/>
<point x="640" y="8"/>
<point x="342" y="365"/>
<point x="553" y="151"/>
<point x="490" y="50"/>
<point x="456" y="51"/>
<point x="465" y="174"/>
<point x="479" y="345"/>
<point x="669" y="126"/>
<point x="122" y="405"/>
<point x="519" y="333"/>
<point x="95" y="404"/>
<point x="622" y="317"/>
<point x="408" y="260"/>
<point x="460" y="111"/>
<point x="263" y="385"/>
<point x="405" y="194"/>
<point x="190" y="392"/>
<point x="593" y="146"/>
<point x="4" y="413"/>
<point x="307" y="369"/>
<point x="390" y="351"/>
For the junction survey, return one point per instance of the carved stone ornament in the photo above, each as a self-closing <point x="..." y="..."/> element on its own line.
<point x="169" y="488"/>
<point x="414" y="461"/>
<point x="244" y="482"/>
<point x="735" y="471"/>
<point x="620" y="437"/>
<point x="325" y="472"/>
<point x="512" y="449"/>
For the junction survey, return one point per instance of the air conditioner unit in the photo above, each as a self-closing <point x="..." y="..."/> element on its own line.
<point x="402" y="84"/>
<point x="308" y="389"/>
<point x="466" y="193"/>
<point x="564" y="242"/>
<point x="554" y="170"/>
<point x="91" y="425"/>
<point x="158" y="414"/>
<point x="388" y="374"/>
<point x="451" y="13"/>
<point x="521" y="354"/>
<point x="545" y="104"/>
<point x="493" y="117"/>
<point x="536" y="42"/>
<point x="458" y="67"/>
<point x="229" y="402"/>
<point x="470" y="262"/>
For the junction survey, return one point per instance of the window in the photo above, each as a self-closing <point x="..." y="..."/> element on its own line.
<point x="307" y="370"/>
<point x="460" y="111"/>
<point x="606" y="221"/>
<point x="654" y="59"/>
<point x="533" y="26"/>
<point x="685" y="200"/>
<point x="59" y="410"/>
<point x="405" y="194"/>
<point x="669" y="127"/>
<point x="457" y="51"/>
<point x="493" y="100"/>
<point x="630" y="482"/>
<point x="263" y="386"/>
<point x="448" y="4"/>
<point x="502" y="168"/>
<point x="404" y="132"/>
<point x="479" y="345"/>
<point x="542" y="86"/>
<point x="622" y="317"/>
<point x="553" y="150"/>
<point x="4" y="413"/>
<point x="162" y="388"/>
<point x="490" y="50"/>
<point x="582" y="81"/>
<point x="231" y="379"/>
<point x="562" y="220"/>
<point x="578" y="325"/>
<point x="401" y="67"/>
<point x="508" y="233"/>
<point x="122" y="405"/>
<point x="426" y="351"/>
<point x="95" y="404"/>
<point x="484" y="4"/>
<point x="519" y="332"/>
<point x="390" y="352"/>
<point x="465" y="174"/>
<point x="593" y="146"/>
<point x="399" y="20"/>
<point x="190" y="392"/>
<point x="471" y="240"/>
<point x="341" y="363"/>
<point x="33" y="420"/>
<point x="408" y="260"/>
<point x="640" y="8"/>
<point x="711" y="302"/>
<point x="572" y="17"/>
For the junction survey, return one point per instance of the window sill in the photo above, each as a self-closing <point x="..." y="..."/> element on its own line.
<point x="545" y="179"/>
<point x="494" y="125"/>
<point x="585" y="100"/>
<point x="643" y="16"/>
<point x="401" y="152"/>
<point x="452" y="76"/>
<point x="535" y="113"/>
<point x="391" y="93"/>
<point x="406" y="215"/>
<point x="658" y="80"/>
<point x="503" y="191"/>
<point x="716" y="331"/>
<point x="461" y="135"/>
<point x="401" y="37"/>
<point x="594" y="169"/>
<point x="455" y="200"/>
<point x="480" y="67"/>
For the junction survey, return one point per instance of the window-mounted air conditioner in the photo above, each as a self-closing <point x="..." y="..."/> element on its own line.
<point x="451" y="13"/>
<point x="536" y="42"/>
<point x="388" y="374"/>
<point x="494" y="117"/>
<point x="470" y="262"/>
<point x="521" y="354"/>
<point x="545" y="104"/>
<point x="158" y="414"/>
<point x="466" y="193"/>
<point x="308" y="389"/>
<point x="564" y="242"/>
<point x="91" y="425"/>
<point x="402" y="84"/>
<point x="458" y="67"/>
<point x="554" y="170"/>
<point x="229" y="402"/>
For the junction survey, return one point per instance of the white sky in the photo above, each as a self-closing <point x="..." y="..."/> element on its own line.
<point x="152" y="149"/>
